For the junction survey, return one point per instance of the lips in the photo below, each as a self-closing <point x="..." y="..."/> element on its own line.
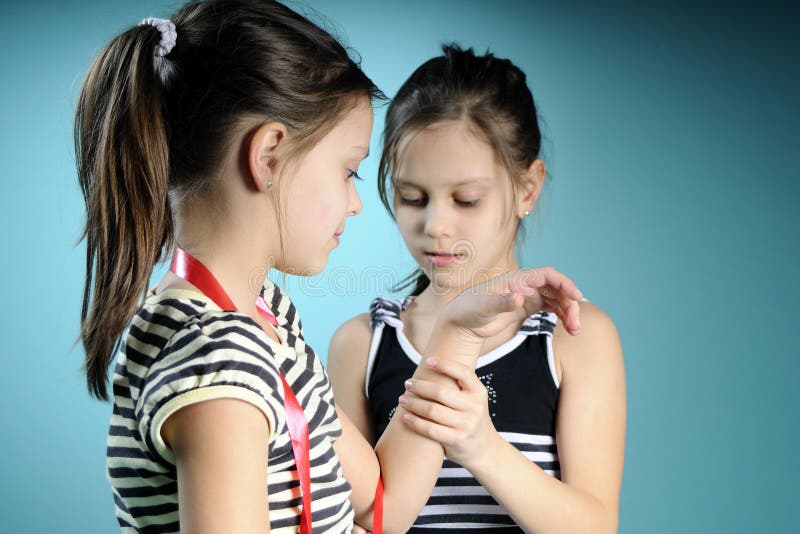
<point x="441" y="259"/>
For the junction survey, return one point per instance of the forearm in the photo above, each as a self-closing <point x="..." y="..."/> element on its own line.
<point x="411" y="463"/>
<point x="537" y="501"/>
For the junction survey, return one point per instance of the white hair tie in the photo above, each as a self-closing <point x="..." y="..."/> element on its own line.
<point x="168" y="34"/>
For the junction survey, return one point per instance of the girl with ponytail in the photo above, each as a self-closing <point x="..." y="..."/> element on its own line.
<point x="229" y="137"/>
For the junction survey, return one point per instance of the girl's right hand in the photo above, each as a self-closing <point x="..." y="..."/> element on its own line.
<point x="484" y="310"/>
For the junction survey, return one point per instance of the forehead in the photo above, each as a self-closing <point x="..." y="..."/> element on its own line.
<point x="446" y="154"/>
<point x="357" y="122"/>
<point x="353" y="130"/>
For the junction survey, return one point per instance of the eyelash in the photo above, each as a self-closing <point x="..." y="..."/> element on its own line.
<point x="354" y="174"/>
<point x="418" y="202"/>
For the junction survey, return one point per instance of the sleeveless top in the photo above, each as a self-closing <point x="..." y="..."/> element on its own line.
<point x="180" y="348"/>
<point x="522" y="386"/>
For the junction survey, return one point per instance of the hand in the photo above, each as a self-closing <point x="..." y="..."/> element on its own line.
<point x="456" y="418"/>
<point x="486" y="309"/>
<point x="358" y="529"/>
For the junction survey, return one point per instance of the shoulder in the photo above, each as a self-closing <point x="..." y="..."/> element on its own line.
<point x="200" y="348"/>
<point x="204" y="356"/>
<point x="350" y="343"/>
<point x="597" y="344"/>
<point x="216" y="344"/>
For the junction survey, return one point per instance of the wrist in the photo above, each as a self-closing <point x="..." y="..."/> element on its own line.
<point x="448" y="340"/>
<point x="484" y="461"/>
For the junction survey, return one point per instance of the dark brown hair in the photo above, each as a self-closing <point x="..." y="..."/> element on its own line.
<point x="489" y="93"/>
<point x="150" y="132"/>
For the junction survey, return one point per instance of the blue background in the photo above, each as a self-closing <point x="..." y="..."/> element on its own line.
<point x="671" y="143"/>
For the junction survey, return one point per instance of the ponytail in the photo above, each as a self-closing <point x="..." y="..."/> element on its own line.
<point x="122" y="160"/>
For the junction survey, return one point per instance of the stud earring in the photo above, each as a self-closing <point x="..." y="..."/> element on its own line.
<point x="527" y="212"/>
<point x="269" y="185"/>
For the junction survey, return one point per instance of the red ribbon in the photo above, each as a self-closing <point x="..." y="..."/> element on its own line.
<point x="193" y="271"/>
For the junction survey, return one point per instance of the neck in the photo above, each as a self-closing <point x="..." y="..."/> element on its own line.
<point x="237" y="252"/>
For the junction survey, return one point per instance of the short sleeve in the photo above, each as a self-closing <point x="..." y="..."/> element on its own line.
<point x="214" y="357"/>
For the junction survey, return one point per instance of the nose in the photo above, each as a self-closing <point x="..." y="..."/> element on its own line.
<point x="354" y="204"/>
<point x="436" y="221"/>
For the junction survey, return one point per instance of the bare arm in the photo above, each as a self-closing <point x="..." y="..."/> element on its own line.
<point x="406" y="490"/>
<point x="221" y="455"/>
<point x="590" y="436"/>
<point x="347" y="370"/>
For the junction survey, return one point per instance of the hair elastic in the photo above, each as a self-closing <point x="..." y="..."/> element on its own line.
<point x="168" y="34"/>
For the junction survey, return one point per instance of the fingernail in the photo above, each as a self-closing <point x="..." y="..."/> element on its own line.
<point x="409" y="383"/>
<point x="432" y="362"/>
<point x="402" y="399"/>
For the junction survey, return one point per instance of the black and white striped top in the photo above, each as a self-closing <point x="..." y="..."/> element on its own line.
<point x="522" y="384"/>
<point x="181" y="349"/>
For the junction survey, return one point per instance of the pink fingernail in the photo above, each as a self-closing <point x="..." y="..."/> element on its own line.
<point x="432" y="362"/>
<point x="409" y="383"/>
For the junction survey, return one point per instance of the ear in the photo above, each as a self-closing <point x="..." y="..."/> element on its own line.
<point x="264" y="144"/>
<point x="532" y="183"/>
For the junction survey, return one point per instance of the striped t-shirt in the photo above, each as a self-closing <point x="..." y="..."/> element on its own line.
<point x="522" y="387"/>
<point x="179" y="349"/>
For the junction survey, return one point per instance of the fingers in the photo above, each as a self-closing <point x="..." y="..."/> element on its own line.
<point x="434" y="431"/>
<point x="559" y="294"/>
<point x="529" y="281"/>
<point x="567" y="311"/>
<point x="463" y="374"/>
<point x="505" y="302"/>
<point x="432" y="411"/>
<point x="438" y="393"/>
<point x="443" y="404"/>
<point x="573" y="318"/>
<point x="469" y="396"/>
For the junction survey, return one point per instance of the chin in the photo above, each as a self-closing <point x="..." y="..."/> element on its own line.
<point x="446" y="279"/>
<point x="306" y="268"/>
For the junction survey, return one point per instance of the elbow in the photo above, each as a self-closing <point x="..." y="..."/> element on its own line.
<point x="398" y="518"/>
<point x="396" y="527"/>
<point x="599" y="517"/>
<point x="391" y="525"/>
<point x="394" y="522"/>
<point x="607" y="521"/>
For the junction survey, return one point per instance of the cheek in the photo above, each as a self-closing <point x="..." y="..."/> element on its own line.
<point x="324" y="210"/>
<point x="407" y="223"/>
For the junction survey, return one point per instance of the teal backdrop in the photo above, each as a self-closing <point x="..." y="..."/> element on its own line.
<point x="672" y="199"/>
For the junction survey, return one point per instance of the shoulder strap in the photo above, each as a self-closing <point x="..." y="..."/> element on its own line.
<point x="539" y="323"/>
<point x="387" y="311"/>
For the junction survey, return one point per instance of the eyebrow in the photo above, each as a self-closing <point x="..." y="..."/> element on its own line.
<point x="363" y="149"/>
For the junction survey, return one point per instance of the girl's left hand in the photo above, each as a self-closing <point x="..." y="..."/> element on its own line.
<point x="456" y="418"/>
